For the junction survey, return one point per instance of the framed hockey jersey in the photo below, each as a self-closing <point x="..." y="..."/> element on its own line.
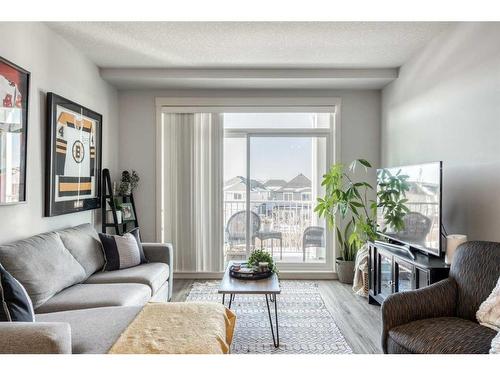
<point x="73" y="173"/>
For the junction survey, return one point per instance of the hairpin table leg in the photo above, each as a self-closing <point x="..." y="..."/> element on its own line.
<point x="276" y="339"/>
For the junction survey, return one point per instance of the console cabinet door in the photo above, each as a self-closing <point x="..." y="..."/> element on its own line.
<point x="385" y="275"/>
<point x="422" y="278"/>
<point x="372" y="271"/>
<point x="404" y="273"/>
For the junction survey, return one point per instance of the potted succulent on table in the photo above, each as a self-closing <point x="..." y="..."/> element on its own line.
<point x="261" y="256"/>
<point x="348" y="200"/>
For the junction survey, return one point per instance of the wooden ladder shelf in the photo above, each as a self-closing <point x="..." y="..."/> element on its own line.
<point x="108" y="198"/>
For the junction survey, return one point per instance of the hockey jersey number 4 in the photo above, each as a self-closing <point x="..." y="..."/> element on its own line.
<point x="75" y="155"/>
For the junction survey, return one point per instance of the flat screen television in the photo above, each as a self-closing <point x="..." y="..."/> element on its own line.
<point x="422" y="222"/>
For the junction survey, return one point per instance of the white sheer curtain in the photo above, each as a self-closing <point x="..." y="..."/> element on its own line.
<point x="193" y="190"/>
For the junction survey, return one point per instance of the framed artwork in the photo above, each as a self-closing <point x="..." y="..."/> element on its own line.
<point x="128" y="212"/>
<point x="14" y="92"/>
<point x="73" y="158"/>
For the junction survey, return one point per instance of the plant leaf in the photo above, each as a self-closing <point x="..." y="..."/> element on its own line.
<point x="365" y="163"/>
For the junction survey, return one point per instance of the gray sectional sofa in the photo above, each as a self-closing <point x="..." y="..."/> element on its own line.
<point x="79" y="308"/>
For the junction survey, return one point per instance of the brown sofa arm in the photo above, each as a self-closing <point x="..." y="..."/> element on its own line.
<point x="35" y="338"/>
<point x="161" y="253"/>
<point x="434" y="301"/>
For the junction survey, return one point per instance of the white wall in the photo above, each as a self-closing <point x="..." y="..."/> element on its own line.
<point x="445" y="105"/>
<point x="360" y="134"/>
<point x="55" y="66"/>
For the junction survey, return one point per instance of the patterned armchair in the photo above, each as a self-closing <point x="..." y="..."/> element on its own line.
<point x="442" y="317"/>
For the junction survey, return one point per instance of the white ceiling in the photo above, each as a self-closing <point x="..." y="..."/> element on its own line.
<point x="249" y="44"/>
<point x="246" y="45"/>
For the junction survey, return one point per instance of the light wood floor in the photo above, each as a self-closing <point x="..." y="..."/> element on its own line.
<point x="359" y="322"/>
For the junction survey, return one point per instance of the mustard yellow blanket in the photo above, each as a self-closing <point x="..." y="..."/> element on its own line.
<point x="178" y="328"/>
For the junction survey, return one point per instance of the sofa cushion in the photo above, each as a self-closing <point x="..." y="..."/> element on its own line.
<point x="87" y="296"/>
<point x="153" y="275"/>
<point x="394" y="348"/>
<point x="94" y="331"/>
<point x="15" y="303"/>
<point x="42" y="265"/>
<point x="447" y="335"/>
<point x="83" y="243"/>
<point x="161" y="294"/>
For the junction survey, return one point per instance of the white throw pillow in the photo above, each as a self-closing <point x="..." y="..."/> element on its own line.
<point x="489" y="311"/>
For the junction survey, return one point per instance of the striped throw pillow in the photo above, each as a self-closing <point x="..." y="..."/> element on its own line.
<point x="122" y="251"/>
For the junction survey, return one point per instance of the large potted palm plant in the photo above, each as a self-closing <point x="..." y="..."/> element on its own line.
<point x="347" y="207"/>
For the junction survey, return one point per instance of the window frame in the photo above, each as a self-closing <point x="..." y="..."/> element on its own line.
<point x="330" y="105"/>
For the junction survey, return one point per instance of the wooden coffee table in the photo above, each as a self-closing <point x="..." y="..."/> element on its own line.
<point x="270" y="287"/>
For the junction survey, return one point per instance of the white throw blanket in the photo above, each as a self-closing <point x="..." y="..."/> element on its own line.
<point x="489" y="315"/>
<point x="489" y="311"/>
<point x="361" y="265"/>
<point x="495" y="345"/>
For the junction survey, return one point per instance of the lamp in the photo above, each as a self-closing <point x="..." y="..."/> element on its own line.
<point x="452" y="242"/>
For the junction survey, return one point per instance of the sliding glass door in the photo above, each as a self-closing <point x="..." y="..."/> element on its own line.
<point x="273" y="166"/>
<point x="284" y="171"/>
<point x="232" y="182"/>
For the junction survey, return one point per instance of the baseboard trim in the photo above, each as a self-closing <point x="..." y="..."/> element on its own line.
<point x="199" y="275"/>
<point x="283" y="275"/>
<point x="319" y="275"/>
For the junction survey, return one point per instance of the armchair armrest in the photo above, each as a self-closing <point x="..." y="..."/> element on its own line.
<point x="161" y="253"/>
<point x="434" y="301"/>
<point x="35" y="338"/>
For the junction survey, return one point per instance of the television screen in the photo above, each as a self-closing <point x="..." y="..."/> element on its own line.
<point x="421" y="222"/>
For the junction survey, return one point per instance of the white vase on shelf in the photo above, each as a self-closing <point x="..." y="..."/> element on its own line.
<point x="110" y="218"/>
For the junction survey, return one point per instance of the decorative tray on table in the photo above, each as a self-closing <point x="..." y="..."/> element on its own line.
<point x="243" y="272"/>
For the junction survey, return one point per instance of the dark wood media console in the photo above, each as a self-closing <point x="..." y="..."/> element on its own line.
<point x="392" y="271"/>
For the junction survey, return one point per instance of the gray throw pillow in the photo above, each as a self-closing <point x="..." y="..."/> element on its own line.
<point x="83" y="243"/>
<point x="42" y="265"/>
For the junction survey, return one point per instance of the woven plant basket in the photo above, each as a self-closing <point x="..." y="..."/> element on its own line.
<point x="365" y="282"/>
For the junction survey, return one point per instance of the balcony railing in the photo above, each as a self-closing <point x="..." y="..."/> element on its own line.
<point x="290" y="218"/>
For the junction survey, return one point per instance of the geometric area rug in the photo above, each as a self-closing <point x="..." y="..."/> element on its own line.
<point x="305" y="324"/>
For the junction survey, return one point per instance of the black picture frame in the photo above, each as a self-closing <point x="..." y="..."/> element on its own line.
<point x="16" y="79"/>
<point x="72" y="178"/>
